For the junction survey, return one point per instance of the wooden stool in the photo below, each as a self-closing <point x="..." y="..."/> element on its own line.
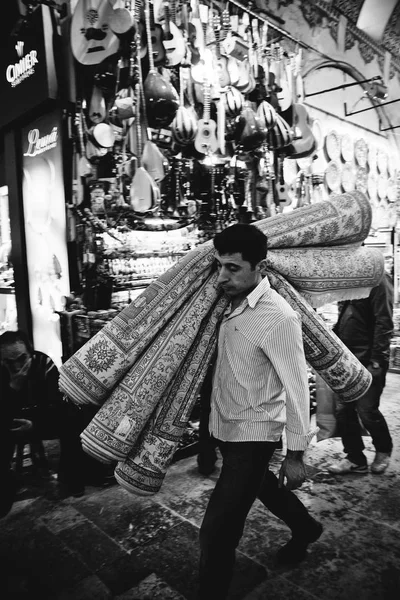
<point x="22" y="429"/>
<point x="36" y="454"/>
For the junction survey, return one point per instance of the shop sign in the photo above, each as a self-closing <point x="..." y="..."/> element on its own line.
<point x="37" y="144"/>
<point x="27" y="73"/>
<point x="24" y="68"/>
<point x="45" y="229"/>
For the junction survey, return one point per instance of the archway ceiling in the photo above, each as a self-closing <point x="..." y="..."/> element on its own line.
<point x="380" y="19"/>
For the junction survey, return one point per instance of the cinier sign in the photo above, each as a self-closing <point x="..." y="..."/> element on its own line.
<point x="27" y="70"/>
<point x="24" y="68"/>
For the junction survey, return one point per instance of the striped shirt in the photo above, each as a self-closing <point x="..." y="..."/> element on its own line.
<point x="260" y="380"/>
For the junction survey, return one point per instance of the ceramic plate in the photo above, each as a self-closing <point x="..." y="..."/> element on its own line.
<point x="383" y="214"/>
<point x="391" y="189"/>
<point x="372" y="158"/>
<point x="348" y="177"/>
<point x="332" y="145"/>
<point x="391" y="166"/>
<point x="318" y="135"/>
<point x="392" y="214"/>
<point x="361" y="179"/>
<point x="347" y="147"/>
<point x="361" y="152"/>
<point x="372" y="187"/>
<point x="333" y="176"/>
<point x="382" y="161"/>
<point x="382" y="186"/>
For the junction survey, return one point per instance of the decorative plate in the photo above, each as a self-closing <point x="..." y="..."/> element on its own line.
<point x="383" y="214"/>
<point x="361" y="179"/>
<point x="332" y="176"/>
<point x="347" y="147"/>
<point x="372" y="158"/>
<point x="391" y="189"/>
<point x="382" y="161"/>
<point x="318" y="134"/>
<point x="332" y="145"/>
<point x="372" y="187"/>
<point x="382" y="186"/>
<point x="392" y="214"/>
<point x="348" y="177"/>
<point x="361" y="152"/>
<point x="391" y="166"/>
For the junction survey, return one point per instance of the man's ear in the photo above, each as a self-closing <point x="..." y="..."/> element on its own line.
<point x="262" y="265"/>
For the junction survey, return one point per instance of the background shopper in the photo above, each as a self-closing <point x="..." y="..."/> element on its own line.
<point x="366" y="327"/>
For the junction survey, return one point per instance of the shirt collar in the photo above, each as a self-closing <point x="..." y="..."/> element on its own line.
<point x="259" y="291"/>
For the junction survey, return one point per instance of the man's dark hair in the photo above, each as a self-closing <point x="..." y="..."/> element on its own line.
<point x="246" y="239"/>
<point x="10" y="337"/>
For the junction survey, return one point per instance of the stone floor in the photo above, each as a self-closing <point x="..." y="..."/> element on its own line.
<point x="110" y="544"/>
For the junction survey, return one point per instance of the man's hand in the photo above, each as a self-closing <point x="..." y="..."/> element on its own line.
<point x="375" y="369"/>
<point x="18" y="378"/>
<point x="293" y="470"/>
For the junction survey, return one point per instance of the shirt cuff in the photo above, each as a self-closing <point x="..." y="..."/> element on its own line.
<point x="296" y="441"/>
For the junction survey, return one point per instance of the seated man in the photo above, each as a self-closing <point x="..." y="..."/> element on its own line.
<point x="29" y="390"/>
<point x="11" y="431"/>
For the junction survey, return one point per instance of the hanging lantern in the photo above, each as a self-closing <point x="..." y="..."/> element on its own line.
<point x="266" y="114"/>
<point x="162" y="100"/>
<point x="249" y="132"/>
<point x="280" y="135"/>
<point x="233" y="101"/>
<point x="184" y="126"/>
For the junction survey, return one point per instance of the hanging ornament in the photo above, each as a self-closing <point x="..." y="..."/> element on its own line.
<point x="184" y="126"/>
<point x="249" y="133"/>
<point x="232" y="101"/>
<point x="266" y="114"/>
<point x="280" y="135"/>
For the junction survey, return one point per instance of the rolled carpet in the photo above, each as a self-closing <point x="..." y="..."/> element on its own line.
<point x="145" y="367"/>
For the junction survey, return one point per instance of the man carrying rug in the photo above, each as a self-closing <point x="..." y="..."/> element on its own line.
<point x="259" y="388"/>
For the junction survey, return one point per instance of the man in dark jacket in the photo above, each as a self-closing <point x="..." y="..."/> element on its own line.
<point x="365" y="326"/>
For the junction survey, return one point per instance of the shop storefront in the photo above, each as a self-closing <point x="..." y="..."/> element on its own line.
<point x="135" y="131"/>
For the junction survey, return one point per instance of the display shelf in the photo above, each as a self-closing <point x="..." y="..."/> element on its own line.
<point x="142" y="256"/>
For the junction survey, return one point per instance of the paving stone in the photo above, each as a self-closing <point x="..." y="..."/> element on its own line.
<point x="151" y="588"/>
<point x="43" y="562"/>
<point x="129" y="519"/>
<point x="97" y="550"/>
<point x="123" y="573"/>
<point x="90" y="588"/>
<point x="277" y="588"/>
<point x="113" y="544"/>
<point x="62" y="517"/>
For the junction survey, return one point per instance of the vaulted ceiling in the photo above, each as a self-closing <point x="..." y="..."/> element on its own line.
<point x="380" y="19"/>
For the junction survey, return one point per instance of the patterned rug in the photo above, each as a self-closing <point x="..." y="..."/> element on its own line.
<point x="145" y="367"/>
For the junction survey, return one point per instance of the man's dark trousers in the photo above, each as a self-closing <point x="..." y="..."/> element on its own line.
<point x="244" y="477"/>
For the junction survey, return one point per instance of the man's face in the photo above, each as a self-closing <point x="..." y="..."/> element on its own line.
<point x="236" y="276"/>
<point x="14" y="356"/>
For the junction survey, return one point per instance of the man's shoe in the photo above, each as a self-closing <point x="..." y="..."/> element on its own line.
<point x="346" y="466"/>
<point x="296" y="549"/>
<point x="381" y="462"/>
